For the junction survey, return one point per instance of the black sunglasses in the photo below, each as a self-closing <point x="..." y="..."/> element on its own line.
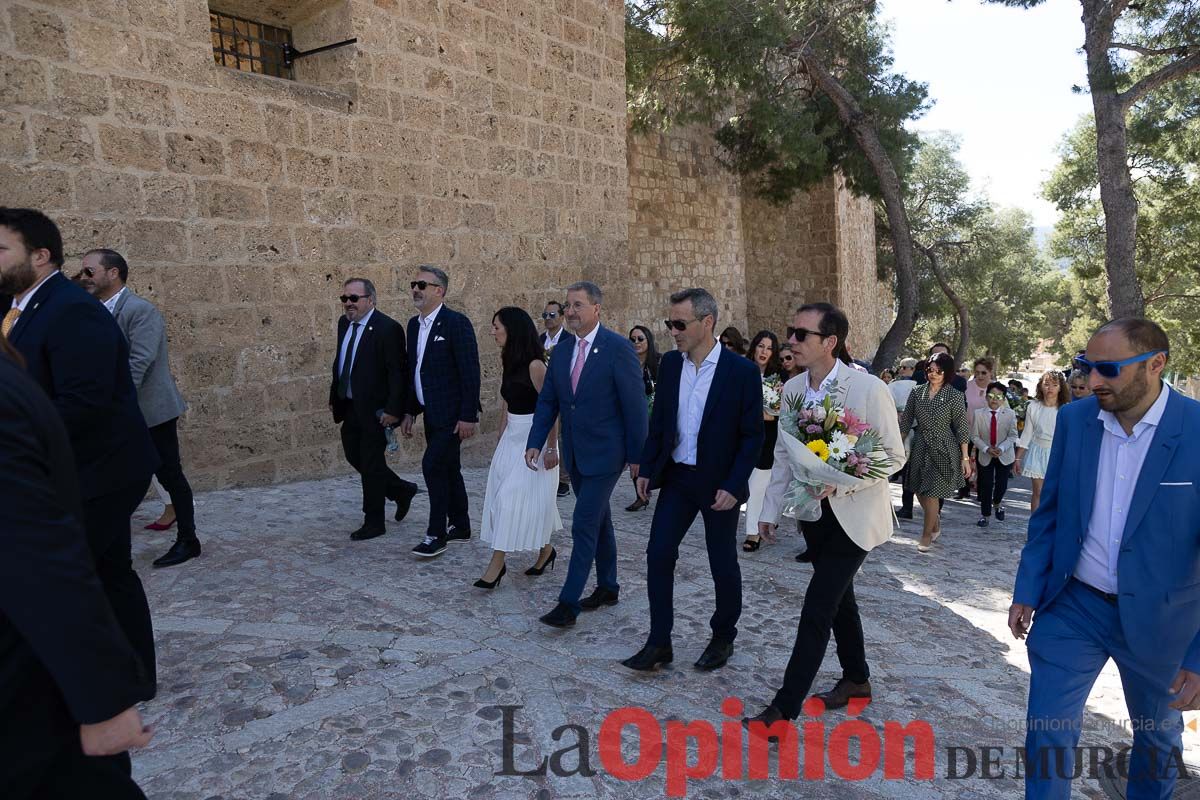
<point x="545" y="314"/>
<point x="1111" y="369"/>
<point x="801" y="334"/>
<point x="637" y="339"/>
<point x="679" y="324"/>
<point x="91" y="272"/>
<point x="353" y="298"/>
<point x="423" y="285"/>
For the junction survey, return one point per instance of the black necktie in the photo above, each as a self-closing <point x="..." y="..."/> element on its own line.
<point x="347" y="364"/>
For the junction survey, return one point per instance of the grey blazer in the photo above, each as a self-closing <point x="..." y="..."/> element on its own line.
<point x="143" y="326"/>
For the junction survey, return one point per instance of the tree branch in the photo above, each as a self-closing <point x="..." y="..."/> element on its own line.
<point x="1173" y="71"/>
<point x="1173" y="297"/>
<point x="1181" y="51"/>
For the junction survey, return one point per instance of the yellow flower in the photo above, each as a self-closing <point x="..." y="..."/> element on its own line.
<point x="819" y="448"/>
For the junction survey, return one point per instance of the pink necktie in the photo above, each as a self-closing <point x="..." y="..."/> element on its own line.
<point x="577" y="370"/>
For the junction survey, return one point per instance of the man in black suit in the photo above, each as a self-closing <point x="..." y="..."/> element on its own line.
<point x="68" y="677"/>
<point x="367" y="395"/>
<point x="444" y="361"/>
<point x="73" y="348"/>
<point x="706" y="431"/>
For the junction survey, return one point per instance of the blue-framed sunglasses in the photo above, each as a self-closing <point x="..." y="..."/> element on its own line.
<point x="1110" y="369"/>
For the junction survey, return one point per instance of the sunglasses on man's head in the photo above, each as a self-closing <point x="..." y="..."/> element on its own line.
<point x="545" y="314"/>
<point x="800" y="334"/>
<point x="1110" y="369"/>
<point x="422" y="285"/>
<point x="353" y="298"/>
<point x="681" y="324"/>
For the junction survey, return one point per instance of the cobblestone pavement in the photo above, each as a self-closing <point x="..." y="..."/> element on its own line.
<point x="295" y="663"/>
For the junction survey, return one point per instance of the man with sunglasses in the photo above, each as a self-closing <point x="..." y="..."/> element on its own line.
<point x="443" y="359"/>
<point x="552" y="320"/>
<point x="368" y="393"/>
<point x="1111" y="567"/>
<point x="594" y="385"/>
<point x="104" y="276"/>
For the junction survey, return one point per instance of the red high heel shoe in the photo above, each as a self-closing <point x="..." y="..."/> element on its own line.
<point x="158" y="526"/>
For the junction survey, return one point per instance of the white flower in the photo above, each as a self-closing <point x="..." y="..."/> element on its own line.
<point x="819" y="413"/>
<point x="839" y="447"/>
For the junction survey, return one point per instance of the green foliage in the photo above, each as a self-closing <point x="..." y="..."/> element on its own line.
<point x="1164" y="155"/>
<point x="736" y="65"/>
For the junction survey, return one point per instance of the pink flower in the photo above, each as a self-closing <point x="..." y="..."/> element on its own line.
<point x="813" y="429"/>
<point x="860" y="469"/>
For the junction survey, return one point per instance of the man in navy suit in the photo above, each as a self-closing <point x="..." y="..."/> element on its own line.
<point x="705" y="435"/>
<point x="368" y="394"/>
<point x="443" y="357"/>
<point x="1112" y="565"/>
<point x="594" y="383"/>
<point x="75" y="350"/>
<point x="69" y="680"/>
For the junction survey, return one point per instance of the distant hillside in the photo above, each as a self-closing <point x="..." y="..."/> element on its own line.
<point x="1042" y="236"/>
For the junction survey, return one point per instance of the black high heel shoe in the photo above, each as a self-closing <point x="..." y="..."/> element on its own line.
<point x="535" y="570"/>
<point x="482" y="584"/>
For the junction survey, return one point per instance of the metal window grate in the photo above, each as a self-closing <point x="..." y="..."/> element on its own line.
<point x="249" y="46"/>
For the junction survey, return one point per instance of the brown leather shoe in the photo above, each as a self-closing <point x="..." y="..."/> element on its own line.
<point x="843" y="692"/>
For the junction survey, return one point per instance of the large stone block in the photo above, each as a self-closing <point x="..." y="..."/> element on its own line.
<point x="132" y="147"/>
<point x="255" y="161"/>
<point x="194" y="154"/>
<point x="62" y="140"/>
<point x="78" y="93"/>
<point x="225" y="200"/>
<point x="167" y="196"/>
<point x="305" y="168"/>
<point x="155" y="241"/>
<point x="221" y="113"/>
<point x="14" y="136"/>
<point x="39" y="33"/>
<point x="141" y="102"/>
<point x="22" y="82"/>
<point x="100" y="192"/>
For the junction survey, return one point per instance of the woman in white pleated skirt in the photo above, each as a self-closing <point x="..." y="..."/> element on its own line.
<point x="520" y="505"/>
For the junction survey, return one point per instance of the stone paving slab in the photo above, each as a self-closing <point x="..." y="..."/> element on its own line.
<point x="295" y="663"/>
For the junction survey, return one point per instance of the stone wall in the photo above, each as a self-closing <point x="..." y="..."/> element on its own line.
<point x="486" y="137"/>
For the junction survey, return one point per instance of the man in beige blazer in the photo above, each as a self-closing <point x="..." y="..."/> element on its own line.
<point x="994" y="434"/>
<point x="852" y="523"/>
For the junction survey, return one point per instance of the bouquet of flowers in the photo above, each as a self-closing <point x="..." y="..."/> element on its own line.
<point x="772" y="389"/>
<point x="827" y="445"/>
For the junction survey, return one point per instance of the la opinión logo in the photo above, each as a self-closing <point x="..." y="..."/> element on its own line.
<point x="737" y="753"/>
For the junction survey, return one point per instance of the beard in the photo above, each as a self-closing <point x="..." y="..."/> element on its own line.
<point x="1125" y="399"/>
<point x="18" y="279"/>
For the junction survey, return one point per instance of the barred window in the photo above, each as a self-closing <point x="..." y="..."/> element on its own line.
<point x="249" y="46"/>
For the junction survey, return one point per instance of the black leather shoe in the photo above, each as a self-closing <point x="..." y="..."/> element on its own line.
<point x="564" y="489"/>
<point x="367" y="532"/>
<point x="404" y="501"/>
<point x="560" y="617"/>
<point x="456" y="534"/>
<point x="769" y="716"/>
<point x="649" y="657"/>
<point x="983" y="522"/>
<point x="805" y="557"/>
<point x="600" y="597"/>
<point x="184" y="549"/>
<point x="715" y="655"/>
<point x="999" y="513"/>
<point x="842" y="692"/>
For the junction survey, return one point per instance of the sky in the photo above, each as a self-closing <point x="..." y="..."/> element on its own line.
<point x="1001" y="80"/>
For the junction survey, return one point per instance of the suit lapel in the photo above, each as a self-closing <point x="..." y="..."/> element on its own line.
<point x="589" y="366"/>
<point x="120" y="306"/>
<point x="1093" y="435"/>
<point x="716" y="388"/>
<point x="1158" y="458"/>
<point x="40" y="297"/>
<point x="365" y="336"/>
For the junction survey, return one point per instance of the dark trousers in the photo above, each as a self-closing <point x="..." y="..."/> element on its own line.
<point x="43" y="759"/>
<point x="170" y="475"/>
<point x="364" y="445"/>
<point x="592" y="537"/>
<point x="993" y="483"/>
<point x="678" y="504"/>
<point x="106" y="521"/>
<point x="829" y="607"/>
<point x="442" y="467"/>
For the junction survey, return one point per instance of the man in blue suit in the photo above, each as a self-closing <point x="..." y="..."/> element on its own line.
<point x="705" y="435"/>
<point x="595" y="384"/>
<point x="1112" y="565"/>
<point x="443" y="359"/>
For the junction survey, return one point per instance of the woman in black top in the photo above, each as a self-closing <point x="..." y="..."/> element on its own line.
<point x="643" y="344"/>
<point x="520" y="509"/>
<point x="764" y="352"/>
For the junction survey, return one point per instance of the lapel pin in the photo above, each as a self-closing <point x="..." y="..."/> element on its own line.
<point x="595" y="350"/>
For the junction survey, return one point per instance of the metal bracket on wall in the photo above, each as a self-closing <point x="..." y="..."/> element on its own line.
<point x="291" y="54"/>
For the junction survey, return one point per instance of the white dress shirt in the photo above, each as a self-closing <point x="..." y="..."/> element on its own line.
<point x="1121" y="459"/>
<point x="111" y="303"/>
<point x="817" y="395"/>
<point x="590" y="339"/>
<point x="694" y="383"/>
<point x="20" y="306"/>
<point x="424" y="326"/>
<point x="549" y="341"/>
<point x="342" y="354"/>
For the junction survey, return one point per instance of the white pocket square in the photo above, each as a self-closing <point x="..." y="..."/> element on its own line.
<point x="1184" y="483"/>
<point x="439" y="338"/>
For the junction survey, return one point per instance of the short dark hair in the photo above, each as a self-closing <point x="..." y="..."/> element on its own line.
<point x="556" y="303"/>
<point x="944" y="362"/>
<point x="1145" y="335"/>
<point x="368" y="287"/>
<point x="833" y="323"/>
<point x="111" y="259"/>
<point x="703" y="303"/>
<point x="987" y="362"/>
<point x="440" y="274"/>
<point x="936" y="345"/>
<point x="35" y="229"/>
<point x="998" y="386"/>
